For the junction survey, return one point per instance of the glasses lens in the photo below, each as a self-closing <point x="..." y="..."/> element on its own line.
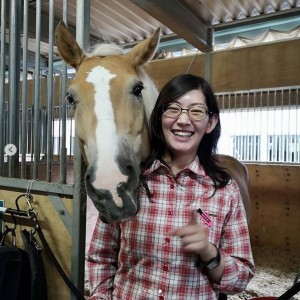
<point x="197" y="112"/>
<point x="173" y="110"/>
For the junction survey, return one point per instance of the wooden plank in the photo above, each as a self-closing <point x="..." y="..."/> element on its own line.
<point x="163" y="70"/>
<point x="275" y="198"/>
<point x="264" y="66"/>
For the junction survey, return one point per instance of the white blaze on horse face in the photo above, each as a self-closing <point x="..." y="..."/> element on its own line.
<point x="107" y="173"/>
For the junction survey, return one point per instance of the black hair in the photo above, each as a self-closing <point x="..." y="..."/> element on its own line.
<point x="206" y="152"/>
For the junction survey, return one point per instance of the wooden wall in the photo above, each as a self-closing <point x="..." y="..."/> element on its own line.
<point x="268" y="65"/>
<point x="275" y="206"/>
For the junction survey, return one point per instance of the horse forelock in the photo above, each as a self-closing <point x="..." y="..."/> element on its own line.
<point x="103" y="50"/>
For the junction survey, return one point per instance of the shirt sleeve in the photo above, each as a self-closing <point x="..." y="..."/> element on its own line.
<point x="236" y="249"/>
<point x="102" y="260"/>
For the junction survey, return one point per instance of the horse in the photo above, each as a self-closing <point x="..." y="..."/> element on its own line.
<point x="113" y="97"/>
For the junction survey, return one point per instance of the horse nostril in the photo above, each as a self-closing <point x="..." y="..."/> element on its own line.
<point x="129" y="169"/>
<point x="121" y="185"/>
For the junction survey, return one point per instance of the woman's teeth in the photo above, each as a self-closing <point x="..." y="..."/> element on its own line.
<point x="183" y="133"/>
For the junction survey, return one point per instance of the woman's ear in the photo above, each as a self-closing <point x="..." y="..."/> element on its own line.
<point x="212" y="122"/>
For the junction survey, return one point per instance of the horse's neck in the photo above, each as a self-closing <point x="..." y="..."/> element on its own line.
<point x="238" y="171"/>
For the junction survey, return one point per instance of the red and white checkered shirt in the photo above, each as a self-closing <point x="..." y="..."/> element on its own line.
<point x="137" y="259"/>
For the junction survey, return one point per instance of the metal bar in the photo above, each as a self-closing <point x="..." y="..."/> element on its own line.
<point x="21" y="213"/>
<point x="62" y="211"/>
<point x="247" y="134"/>
<point x="31" y="112"/>
<point x="79" y="199"/>
<point x="290" y="138"/>
<point x="63" y="121"/>
<point x="208" y="67"/>
<point x="36" y="126"/>
<point x="24" y="91"/>
<point x="293" y="87"/>
<point x="297" y="138"/>
<point x="2" y="83"/>
<point x="14" y="82"/>
<point x="37" y="186"/>
<point x="44" y="132"/>
<point x="50" y="105"/>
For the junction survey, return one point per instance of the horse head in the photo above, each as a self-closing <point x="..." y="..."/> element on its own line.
<point x="113" y="98"/>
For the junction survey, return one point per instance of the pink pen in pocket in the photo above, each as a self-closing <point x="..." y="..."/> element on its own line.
<point x="205" y="217"/>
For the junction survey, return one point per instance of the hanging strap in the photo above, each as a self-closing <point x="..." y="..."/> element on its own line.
<point x="52" y="257"/>
<point x="290" y="292"/>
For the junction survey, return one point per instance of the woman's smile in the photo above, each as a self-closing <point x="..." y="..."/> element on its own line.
<point x="181" y="133"/>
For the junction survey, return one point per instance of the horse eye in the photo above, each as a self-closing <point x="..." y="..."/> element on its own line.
<point x="137" y="90"/>
<point x="70" y="100"/>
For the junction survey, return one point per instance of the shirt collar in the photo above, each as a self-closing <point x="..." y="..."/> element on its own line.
<point x="194" y="167"/>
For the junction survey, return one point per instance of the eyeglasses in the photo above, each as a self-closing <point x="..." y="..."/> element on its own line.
<point x="195" y="112"/>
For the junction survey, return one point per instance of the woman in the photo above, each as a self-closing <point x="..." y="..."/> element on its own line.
<point x="190" y="239"/>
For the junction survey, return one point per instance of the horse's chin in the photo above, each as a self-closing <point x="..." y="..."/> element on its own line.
<point x="109" y="211"/>
<point x="112" y="216"/>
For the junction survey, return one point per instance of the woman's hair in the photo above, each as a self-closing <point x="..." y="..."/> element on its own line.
<point x="206" y="152"/>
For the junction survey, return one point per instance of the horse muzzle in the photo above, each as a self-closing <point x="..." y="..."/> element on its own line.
<point x="107" y="204"/>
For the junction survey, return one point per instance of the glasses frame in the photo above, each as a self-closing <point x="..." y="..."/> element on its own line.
<point x="165" y="108"/>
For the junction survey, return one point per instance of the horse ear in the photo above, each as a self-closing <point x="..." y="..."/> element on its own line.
<point x="67" y="46"/>
<point x="144" y="51"/>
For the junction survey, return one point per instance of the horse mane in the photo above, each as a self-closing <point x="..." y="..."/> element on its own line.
<point x="104" y="49"/>
<point x="150" y="92"/>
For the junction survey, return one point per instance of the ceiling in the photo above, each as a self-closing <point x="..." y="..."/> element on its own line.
<point x="128" y="21"/>
<point x="193" y="22"/>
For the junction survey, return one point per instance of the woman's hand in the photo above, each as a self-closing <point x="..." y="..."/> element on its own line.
<point x="193" y="238"/>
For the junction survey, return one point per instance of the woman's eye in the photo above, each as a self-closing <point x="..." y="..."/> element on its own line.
<point x="173" y="109"/>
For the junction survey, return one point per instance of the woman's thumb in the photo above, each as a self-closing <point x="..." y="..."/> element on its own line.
<point x="193" y="219"/>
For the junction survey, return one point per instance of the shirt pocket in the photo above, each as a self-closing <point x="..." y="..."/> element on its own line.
<point x="215" y="226"/>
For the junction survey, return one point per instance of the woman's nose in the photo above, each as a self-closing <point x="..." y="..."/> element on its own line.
<point x="184" y="118"/>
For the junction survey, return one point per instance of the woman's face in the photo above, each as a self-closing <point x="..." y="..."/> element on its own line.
<point x="183" y="134"/>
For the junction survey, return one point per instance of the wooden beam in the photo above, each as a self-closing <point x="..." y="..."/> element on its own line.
<point x="180" y="19"/>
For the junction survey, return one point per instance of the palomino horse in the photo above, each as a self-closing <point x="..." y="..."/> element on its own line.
<point x="113" y="99"/>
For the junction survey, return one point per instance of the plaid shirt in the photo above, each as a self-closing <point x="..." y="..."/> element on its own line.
<point x="137" y="259"/>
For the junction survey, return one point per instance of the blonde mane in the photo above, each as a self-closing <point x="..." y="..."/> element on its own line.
<point x="104" y="50"/>
<point x="150" y="93"/>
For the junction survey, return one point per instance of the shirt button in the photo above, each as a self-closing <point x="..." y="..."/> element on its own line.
<point x="165" y="268"/>
<point x="172" y="186"/>
<point x="170" y="212"/>
<point x="168" y="240"/>
<point x="161" y="297"/>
